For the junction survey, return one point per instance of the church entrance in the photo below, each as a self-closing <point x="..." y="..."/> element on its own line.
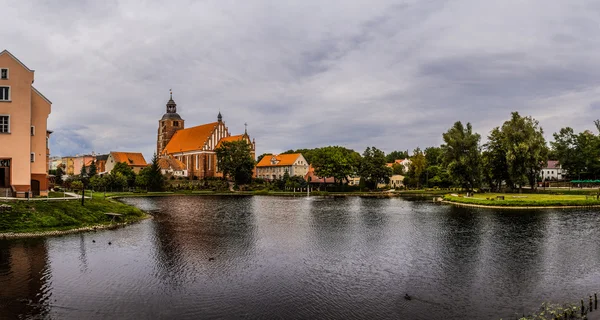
<point x="4" y="173"/>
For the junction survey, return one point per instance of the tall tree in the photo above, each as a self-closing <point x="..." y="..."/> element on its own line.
<point x="462" y="154"/>
<point x="494" y="162"/>
<point x="526" y="150"/>
<point x="373" y="168"/>
<point x="235" y="161"/>
<point x="395" y="155"/>
<point x="334" y="161"/>
<point x="93" y="169"/>
<point x="126" y="171"/>
<point x="418" y="163"/>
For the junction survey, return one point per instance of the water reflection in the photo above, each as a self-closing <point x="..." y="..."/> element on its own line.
<point x="299" y="258"/>
<point x="24" y="278"/>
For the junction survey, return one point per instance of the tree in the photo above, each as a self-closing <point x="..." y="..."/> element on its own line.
<point x="126" y="171"/>
<point x="335" y="161"/>
<point x="59" y="175"/>
<point x="462" y="154"/>
<point x="397" y="168"/>
<point x="155" y="181"/>
<point x="93" y="170"/>
<point x="578" y="154"/>
<point x="418" y="164"/>
<point x="395" y="155"/>
<point x="526" y="150"/>
<point x="235" y="161"/>
<point x="84" y="171"/>
<point x="373" y="168"/>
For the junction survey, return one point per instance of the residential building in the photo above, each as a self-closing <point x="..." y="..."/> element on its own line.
<point x="24" y="134"/>
<point x="272" y="167"/>
<point x="101" y="163"/>
<point x="172" y="166"/>
<point x="54" y="163"/>
<point x="404" y="162"/>
<point x="397" y="181"/>
<point x="313" y="179"/>
<point x="553" y="171"/>
<point x="134" y="160"/>
<point x="195" y="146"/>
<point x="81" y="160"/>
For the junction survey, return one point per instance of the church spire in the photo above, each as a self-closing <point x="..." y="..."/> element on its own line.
<point x="171" y="105"/>
<point x="220" y="117"/>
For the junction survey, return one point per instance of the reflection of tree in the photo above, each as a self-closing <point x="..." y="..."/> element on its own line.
<point x="23" y="268"/>
<point x="190" y="230"/>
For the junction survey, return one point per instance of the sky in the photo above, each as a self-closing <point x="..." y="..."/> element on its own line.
<point x="306" y="73"/>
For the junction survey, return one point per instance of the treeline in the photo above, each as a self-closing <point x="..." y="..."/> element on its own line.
<point x="120" y="178"/>
<point x="512" y="157"/>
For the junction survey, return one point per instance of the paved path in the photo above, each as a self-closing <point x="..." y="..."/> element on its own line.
<point x="68" y="196"/>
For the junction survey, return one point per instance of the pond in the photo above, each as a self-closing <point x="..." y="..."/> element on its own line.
<point x="299" y="258"/>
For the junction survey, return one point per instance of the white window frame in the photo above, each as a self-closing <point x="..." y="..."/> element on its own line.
<point x="32" y="157"/>
<point x="9" y="93"/>
<point x="6" y="115"/>
<point x="32" y="131"/>
<point x="7" y="73"/>
<point x="197" y="165"/>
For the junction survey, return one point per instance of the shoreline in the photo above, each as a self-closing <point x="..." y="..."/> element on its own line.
<point x="51" y="233"/>
<point x="472" y="205"/>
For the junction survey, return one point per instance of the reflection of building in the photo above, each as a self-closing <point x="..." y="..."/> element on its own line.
<point x="23" y="266"/>
<point x="273" y="167"/>
<point x="134" y="160"/>
<point x="24" y="136"/>
<point x="194" y="146"/>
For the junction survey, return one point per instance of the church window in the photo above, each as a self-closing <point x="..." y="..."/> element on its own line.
<point x="3" y="73"/>
<point x="175" y="123"/>
<point x="197" y="162"/>
<point x="4" y="93"/>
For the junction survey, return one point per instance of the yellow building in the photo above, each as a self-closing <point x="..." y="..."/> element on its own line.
<point x="23" y="131"/>
<point x="134" y="160"/>
<point x="273" y="167"/>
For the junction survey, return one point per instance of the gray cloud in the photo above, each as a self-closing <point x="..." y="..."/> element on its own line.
<point x="393" y="74"/>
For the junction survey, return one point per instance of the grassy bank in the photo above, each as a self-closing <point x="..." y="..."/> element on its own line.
<point x="41" y="216"/>
<point x="525" y="200"/>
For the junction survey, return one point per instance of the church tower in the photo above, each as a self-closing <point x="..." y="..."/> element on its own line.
<point x="168" y="125"/>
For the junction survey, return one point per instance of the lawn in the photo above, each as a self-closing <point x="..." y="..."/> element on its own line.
<point x="37" y="216"/>
<point x="525" y="199"/>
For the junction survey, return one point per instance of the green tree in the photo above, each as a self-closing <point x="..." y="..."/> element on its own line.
<point x="578" y="154"/>
<point x="396" y="155"/>
<point x="126" y="171"/>
<point x="93" y="169"/>
<point x="494" y="162"/>
<point x="335" y="161"/>
<point x="397" y="168"/>
<point x="97" y="183"/>
<point x="235" y="161"/>
<point x="77" y="185"/>
<point x="462" y="154"/>
<point x="155" y="181"/>
<point x="526" y="150"/>
<point x="418" y="164"/>
<point x="84" y="171"/>
<point x="373" y="168"/>
<point x="59" y="175"/>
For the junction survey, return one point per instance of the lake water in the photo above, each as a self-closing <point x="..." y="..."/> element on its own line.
<point x="305" y="258"/>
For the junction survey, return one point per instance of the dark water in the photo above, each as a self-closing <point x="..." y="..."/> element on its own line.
<point x="298" y="258"/>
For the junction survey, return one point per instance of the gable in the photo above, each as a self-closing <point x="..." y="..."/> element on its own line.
<point x="7" y="53"/>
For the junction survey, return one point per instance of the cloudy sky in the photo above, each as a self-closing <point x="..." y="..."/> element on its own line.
<point x="309" y="73"/>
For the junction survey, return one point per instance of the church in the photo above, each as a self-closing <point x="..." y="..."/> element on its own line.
<point x="194" y="146"/>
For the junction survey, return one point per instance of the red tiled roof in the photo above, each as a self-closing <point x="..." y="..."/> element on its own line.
<point x="190" y="139"/>
<point x="134" y="159"/>
<point x="171" y="163"/>
<point x="230" y="139"/>
<point x="552" y="164"/>
<point x="312" y="177"/>
<point x="283" y="160"/>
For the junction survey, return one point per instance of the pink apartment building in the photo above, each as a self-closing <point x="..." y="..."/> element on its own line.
<point x="24" y="135"/>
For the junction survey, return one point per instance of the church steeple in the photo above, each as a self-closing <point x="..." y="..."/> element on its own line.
<point x="220" y="117"/>
<point x="171" y="105"/>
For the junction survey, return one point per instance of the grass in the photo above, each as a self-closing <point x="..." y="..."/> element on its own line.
<point x="525" y="200"/>
<point x="38" y="216"/>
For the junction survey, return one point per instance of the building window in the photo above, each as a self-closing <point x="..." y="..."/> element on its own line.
<point x="32" y="130"/>
<point x="3" y="73"/>
<point x="175" y="123"/>
<point x="4" y="93"/>
<point x="32" y="157"/>
<point x="4" y="124"/>
<point x="197" y="162"/>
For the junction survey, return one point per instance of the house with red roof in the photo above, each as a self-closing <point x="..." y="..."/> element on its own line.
<point x="135" y="160"/>
<point x="553" y="171"/>
<point x="273" y="167"/>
